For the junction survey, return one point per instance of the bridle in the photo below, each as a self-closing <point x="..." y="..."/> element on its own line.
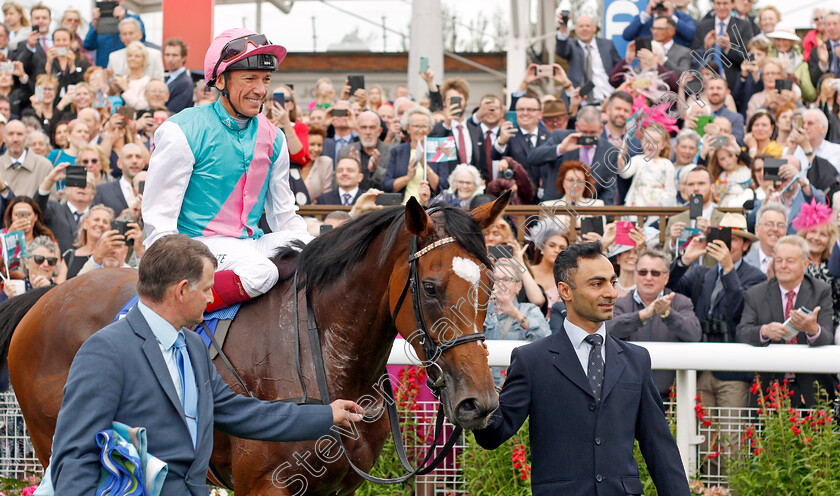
<point x="431" y="350"/>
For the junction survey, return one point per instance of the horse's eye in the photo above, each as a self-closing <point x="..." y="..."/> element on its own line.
<point x="429" y="288"/>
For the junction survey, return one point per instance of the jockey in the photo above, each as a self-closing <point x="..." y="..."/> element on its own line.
<point x="216" y="167"/>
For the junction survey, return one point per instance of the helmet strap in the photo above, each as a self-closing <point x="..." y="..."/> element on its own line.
<point x="225" y="94"/>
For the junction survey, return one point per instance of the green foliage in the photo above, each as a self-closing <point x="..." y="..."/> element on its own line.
<point x="505" y="470"/>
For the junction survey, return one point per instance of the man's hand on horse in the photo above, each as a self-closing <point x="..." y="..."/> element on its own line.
<point x="346" y="411"/>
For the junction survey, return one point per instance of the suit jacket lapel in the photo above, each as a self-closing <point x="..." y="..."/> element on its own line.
<point x="205" y="395"/>
<point x="613" y="366"/>
<point x="566" y="361"/>
<point x="155" y="357"/>
<point x="777" y="312"/>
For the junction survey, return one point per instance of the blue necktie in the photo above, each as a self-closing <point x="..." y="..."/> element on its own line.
<point x="189" y="392"/>
<point x="345" y="199"/>
<point x="716" y="48"/>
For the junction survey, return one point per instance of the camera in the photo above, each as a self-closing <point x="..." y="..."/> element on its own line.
<point x="507" y="174"/>
<point x="587" y="141"/>
<point x="715" y="331"/>
<point x="659" y="7"/>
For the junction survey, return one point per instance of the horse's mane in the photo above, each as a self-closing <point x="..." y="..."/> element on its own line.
<point x="330" y="256"/>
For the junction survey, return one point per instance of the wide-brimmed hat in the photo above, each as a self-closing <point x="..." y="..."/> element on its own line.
<point x="555" y="108"/>
<point x="784" y="31"/>
<point x="651" y="233"/>
<point x="738" y="223"/>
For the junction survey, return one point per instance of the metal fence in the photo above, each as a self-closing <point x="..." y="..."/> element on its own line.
<point x="17" y="458"/>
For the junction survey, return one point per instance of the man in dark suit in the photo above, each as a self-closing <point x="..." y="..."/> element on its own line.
<point x="343" y="130"/>
<point x="768" y="305"/>
<point x="677" y="56"/>
<point x="348" y="175"/>
<point x="119" y="195"/>
<point x="588" y="396"/>
<point x="372" y="152"/>
<point x="825" y="57"/>
<point x="645" y="24"/>
<point x="590" y="58"/>
<point x="178" y="80"/>
<point x="147" y="371"/>
<point x="720" y="36"/>
<point x="63" y="218"/>
<point x="469" y="142"/>
<point x="33" y="53"/>
<point x="517" y="142"/>
<point x="718" y="298"/>
<point x="698" y="182"/>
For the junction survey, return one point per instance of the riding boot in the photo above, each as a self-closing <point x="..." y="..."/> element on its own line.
<point x="227" y="291"/>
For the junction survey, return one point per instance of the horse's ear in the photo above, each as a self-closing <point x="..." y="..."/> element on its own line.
<point x="487" y="214"/>
<point x="417" y="221"/>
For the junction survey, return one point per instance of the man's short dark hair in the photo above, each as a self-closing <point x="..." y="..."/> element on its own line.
<point x="703" y="169"/>
<point x="170" y="260"/>
<point x="620" y="95"/>
<point x="566" y="262"/>
<point x="669" y="21"/>
<point x="176" y="42"/>
<point x="351" y="158"/>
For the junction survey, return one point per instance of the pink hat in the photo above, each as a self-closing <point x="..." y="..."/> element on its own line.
<point x="253" y="44"/>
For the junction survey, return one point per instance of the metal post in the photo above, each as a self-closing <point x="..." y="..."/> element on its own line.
<point x="384" y="35"/>
<point x="314" y="36"/>
<point x="547" y="22"/>
<point x="517" y="43"/>
<point x="687" y="436"/>
<point x="426" y="41"/>
<point x="259" y="16"/>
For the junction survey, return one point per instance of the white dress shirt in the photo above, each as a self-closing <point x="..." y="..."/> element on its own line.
<point x="467" y="139"/>
<point x="352" y="192"/>
<point x="578" y="338"/>
<point x="603" y="88"/>
<point x="128" y="193"/>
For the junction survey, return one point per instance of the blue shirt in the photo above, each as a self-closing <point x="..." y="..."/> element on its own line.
<point x="166" y="335"/>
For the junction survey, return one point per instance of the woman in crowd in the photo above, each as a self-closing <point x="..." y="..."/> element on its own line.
<point x="92" y="226"/>
<point x="761" y="135"/>
<point x="405" y="171"/>
<point x="40" y="267"/>
<point x="732" y="176"/>
<point x="750" y="81"/>
<point x="499" y="233"/>
<point x="61" y="60"/>
<point x="16" y="19"/>
<point x="464" y="185"/>
<point x="768" y="98"/>
<point x="760" y="188"/>
<point x="786" y="45"/>
<point x="77" y="137"/>
<point x="93" y="158"/>
<point x="38" y="143"/>
<point x="44" y="108"/>
<point x="768" y="17"/>
<point x="375" y="97"/>
<point x="74" y="100"/>
<point x="23" y="214"/>
<point x="784" y="122"/>
<point x="133" y="85"/>
<point x="71" y="19"/>
<point x="60" y="137"/>
<point x="816" y="224"/>
<point x="685" y="156"/>
<point x="549" y="240"/>
<point x="318" y="173"/>
<point x="324" y="94"/>
<point x="653" y="180"/>
<point x="624" y="258"/>
<point x="286" y="118"/>
<point x="828" y="100"/>
<point x="815" y="36"/>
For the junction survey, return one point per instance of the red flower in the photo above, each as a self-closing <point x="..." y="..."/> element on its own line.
<point x="795" y="430"/>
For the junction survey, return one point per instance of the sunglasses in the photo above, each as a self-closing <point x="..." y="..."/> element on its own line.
<point x="160" y="120"/>
<point x="90" y="161"/>
<point x="39" y="259"/>
<point x="654" y="273"/>
<point x="237" y="46"/>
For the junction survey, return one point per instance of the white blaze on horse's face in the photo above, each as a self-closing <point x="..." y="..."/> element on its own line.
<point x="469" y="271"/>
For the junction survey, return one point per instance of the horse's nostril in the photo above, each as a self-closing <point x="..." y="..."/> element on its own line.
<point x="471" y="408"/>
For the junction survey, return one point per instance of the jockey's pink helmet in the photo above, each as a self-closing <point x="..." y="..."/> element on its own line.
<point x="240" y="49"/>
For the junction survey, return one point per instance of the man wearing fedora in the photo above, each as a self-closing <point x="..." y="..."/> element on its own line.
<point x="718" y="297"/>
<point x="556" y="115"/>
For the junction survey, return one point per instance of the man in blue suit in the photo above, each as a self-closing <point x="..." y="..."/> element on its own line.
<point x="517" y="141"/>
<point x="146" y="370"/>
<point x="642" y="24"/>
<point x="588" y="396"/>
<point x="178" y="80"/>
<point x="590" y="58"/>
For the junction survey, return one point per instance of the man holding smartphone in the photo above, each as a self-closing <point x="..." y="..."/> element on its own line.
<point x="456" y="122"/>
<point x="216" y="168"/>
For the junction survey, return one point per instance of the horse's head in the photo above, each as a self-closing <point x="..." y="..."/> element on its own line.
<point x="442" y="316"/>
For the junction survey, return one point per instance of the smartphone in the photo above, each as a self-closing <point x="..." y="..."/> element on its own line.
<point x="720" y="141"/>
<point x="592" y="224"/>
<point x="586" y="89"/>
<point x="797" y="121"/>
<point x="61" y="51"/>
<point x="546" y="70"/>
<point x="121" y="227"/>
<point x="564" y="15"/>
<point x="701" y="123"/>
<point x="101" y="100"/>
<point x="784" y="84"/>
<point x="622" y="233"/>
<point x="720" y="233"/>
<point x="280" y="98"/>
<point x="388" y="199"/>
<point x="456" y="100"/>
<point x="39" y="93"/>
<point x="643" y="43"/>
<point x="424" y="65"/>
<point x="500" y="251"/>
<point x="75" y="176"/>
<point x="7" y="67"/>
<point x="587" y="140"/>
<point x="356" y="81"/>
<point x="771" y="168"/>
<point x="340" y="112"/>
<point x="510" y="116"/>
<point x="127" y="112"/>
<point x="325" y="228"/>
<point x="695" y="206"/>
<point x="36" y="28"/>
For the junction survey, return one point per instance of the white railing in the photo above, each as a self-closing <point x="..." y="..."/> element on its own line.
<point x="687" y="359"/>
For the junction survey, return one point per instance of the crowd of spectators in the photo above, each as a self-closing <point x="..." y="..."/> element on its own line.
<point x="759" y="132"/>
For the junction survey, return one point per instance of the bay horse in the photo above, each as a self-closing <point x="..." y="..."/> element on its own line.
<point x="353" y="276"/>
